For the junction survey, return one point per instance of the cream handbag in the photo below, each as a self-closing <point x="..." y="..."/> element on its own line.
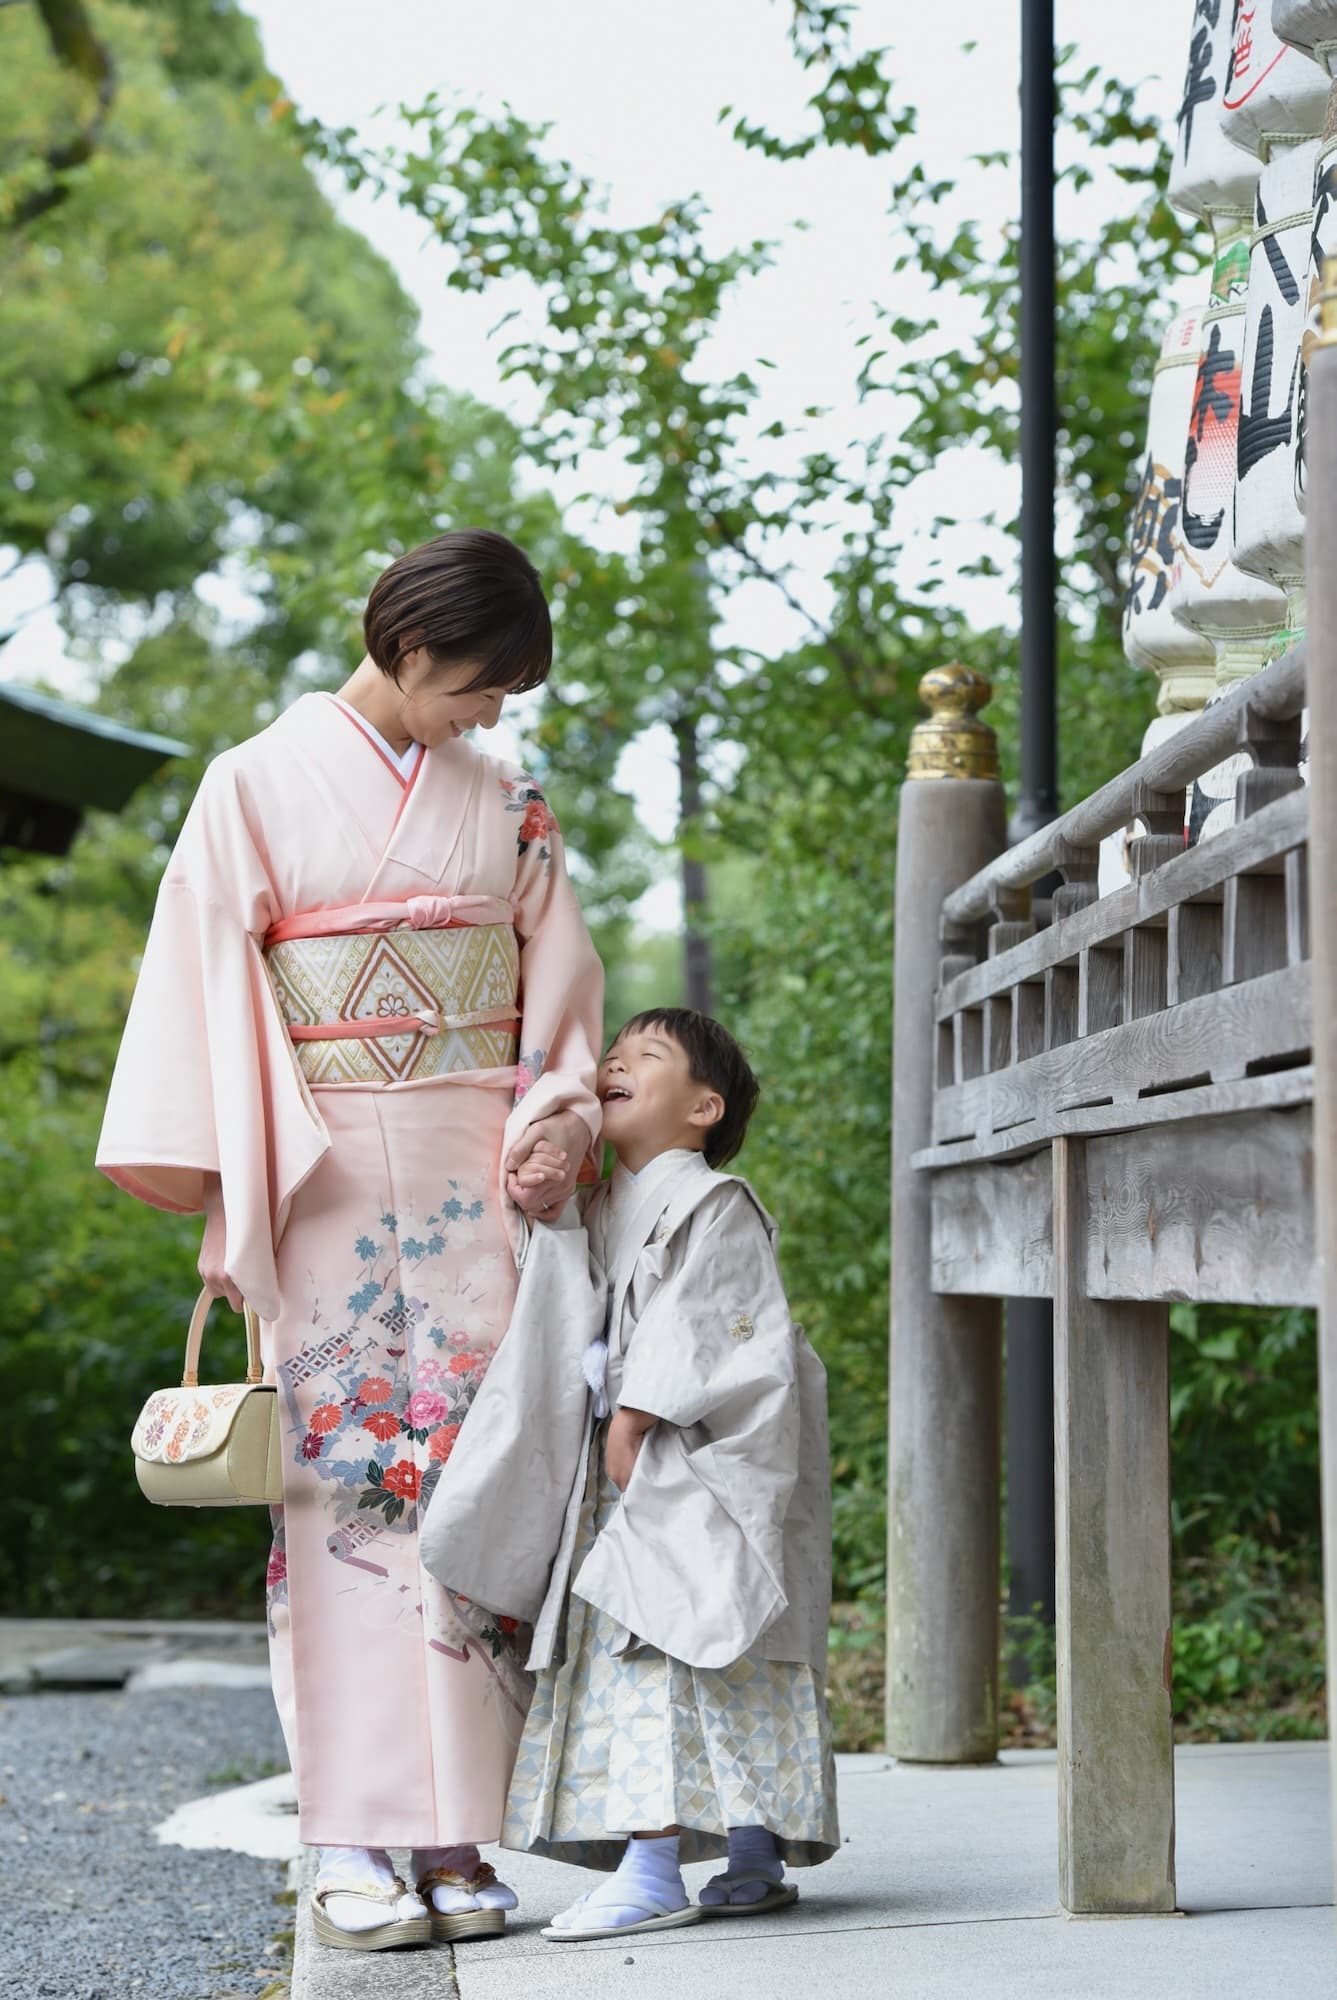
<point x="211" y="1447"/>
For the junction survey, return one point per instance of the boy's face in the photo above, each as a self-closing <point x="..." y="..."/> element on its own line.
<point x="651" y="1102"/>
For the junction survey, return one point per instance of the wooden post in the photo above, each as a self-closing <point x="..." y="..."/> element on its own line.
<point x="1112" y="1483"/>
<point x="943" y="1501"/>
<point x="1321" y="569"/>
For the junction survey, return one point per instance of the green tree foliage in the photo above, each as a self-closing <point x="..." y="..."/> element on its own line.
<point x="618" y="350"/>
<point x="204" y="375"/>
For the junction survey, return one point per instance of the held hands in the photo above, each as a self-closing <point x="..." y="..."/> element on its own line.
<point x="626" y="1433"/>
<point x="214" y="1247"/>
<point x="542" y="1165"/>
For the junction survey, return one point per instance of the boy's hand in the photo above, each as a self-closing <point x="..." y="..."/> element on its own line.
<point x="625" y="1435"/>
<point x="542" y="1165"/>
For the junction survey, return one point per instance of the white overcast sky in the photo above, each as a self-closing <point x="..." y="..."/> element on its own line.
<point x="633" y="92"/>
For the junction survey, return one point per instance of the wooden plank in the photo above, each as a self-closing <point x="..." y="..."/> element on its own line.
<point x="1214" y="1209"/>
<point x="1218" y="1210"/>
<point x="1195" y="874"/>
<point x="1215" y="1037"/>
<point x="990" y="1229"/>
<point x="1192" y="951"/>
<point x="1297" y="906"/>
<point x="943" y="1444"/>
<point x="1321" y="554"/>
<point x="1254" y="932"/>
<point x="1144" y="971"/>
<point x="1062" y="1004"/>
<point x="1101" y="994"/>
<point x="1277" y="1090"/>
<point x="1112" y="1491"/>
<point x="1220" y="730"/>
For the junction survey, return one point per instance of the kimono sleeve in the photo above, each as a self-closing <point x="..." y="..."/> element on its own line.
<point x="205" y="1080"/>
<point x="561" y="985"/>
<point x="693" y="1559"/>
<point x="715" y="1334"/>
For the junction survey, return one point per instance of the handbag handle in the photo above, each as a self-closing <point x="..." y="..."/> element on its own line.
<point x="190" y="1374"/>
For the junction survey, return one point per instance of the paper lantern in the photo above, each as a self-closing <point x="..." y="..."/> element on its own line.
<point x="1211" y="177"/>
<point x="1269" y="524"/>
<point x="1272" y="92"/>
<point x="1242" y="616"/>
<point x="1152" y="636"/>
<point x="1322" y="243"/>
<point x="1311" y="27"/>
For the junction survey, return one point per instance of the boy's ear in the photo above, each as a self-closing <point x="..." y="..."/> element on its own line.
<point x="707" y="1111"/>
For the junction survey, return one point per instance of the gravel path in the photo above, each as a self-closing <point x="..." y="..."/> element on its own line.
<point x="93" y="1908"/>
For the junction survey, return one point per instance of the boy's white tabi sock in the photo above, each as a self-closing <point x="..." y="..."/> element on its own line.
<point x="754" y="1856"/>
<point x="452" y="1899"/>
<point x="362" y="1869"/>
<point x="647" y="1882"/>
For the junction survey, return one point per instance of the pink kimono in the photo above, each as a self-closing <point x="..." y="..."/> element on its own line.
<point x="357" y="991"/>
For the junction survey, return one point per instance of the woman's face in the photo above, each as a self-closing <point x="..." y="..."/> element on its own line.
<point x="433" y="704"/>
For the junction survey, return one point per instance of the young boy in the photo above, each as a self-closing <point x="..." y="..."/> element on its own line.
<point x="679" y="1711"/>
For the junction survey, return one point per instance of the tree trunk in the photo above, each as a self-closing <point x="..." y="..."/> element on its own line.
<point x="697" y="979"/>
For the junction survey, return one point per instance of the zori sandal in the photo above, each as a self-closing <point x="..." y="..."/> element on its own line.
<point x="581" y="1920"/>
<point x="406" y="1921"/>
<point x="778" y="1896"/>
<point x="460" y="1906"/>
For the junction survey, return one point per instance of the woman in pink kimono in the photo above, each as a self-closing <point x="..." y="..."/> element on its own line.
<point x="365" y="1031"/>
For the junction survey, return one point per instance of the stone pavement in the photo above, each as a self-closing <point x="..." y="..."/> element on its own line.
<point x="945" y="1887"/>
<point x="145" y="1818"/>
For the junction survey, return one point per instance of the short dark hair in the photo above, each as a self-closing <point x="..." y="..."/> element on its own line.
<point x="715" y="1059"/>
<point x="467" y="595"/>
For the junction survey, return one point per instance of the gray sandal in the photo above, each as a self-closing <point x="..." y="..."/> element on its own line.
<point x="779" y="1895"/>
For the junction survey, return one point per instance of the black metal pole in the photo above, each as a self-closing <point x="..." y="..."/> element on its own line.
<point x="1030" y="1322"/>
<point x="1038" y="803"/>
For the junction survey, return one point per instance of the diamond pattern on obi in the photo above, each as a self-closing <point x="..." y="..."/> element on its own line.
<point x="377" y="975"/>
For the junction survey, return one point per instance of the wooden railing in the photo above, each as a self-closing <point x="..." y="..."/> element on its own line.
<point x="1110" y="1102"/>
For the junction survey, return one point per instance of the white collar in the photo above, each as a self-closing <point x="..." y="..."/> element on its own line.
<point x="404" y="761"/>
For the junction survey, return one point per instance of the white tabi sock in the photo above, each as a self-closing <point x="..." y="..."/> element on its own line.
<point x="360" y="1868"/>
<point x="452" y="1899"/>
<point x="753" y="1855"/>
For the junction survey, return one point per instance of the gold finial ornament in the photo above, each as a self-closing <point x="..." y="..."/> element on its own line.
<point x="1327" y="303"/>
<point x="953" y="743"/>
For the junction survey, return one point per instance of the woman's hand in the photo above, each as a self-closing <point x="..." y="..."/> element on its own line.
<point x="214" y="1247"/>
<point x="626" y="1434"/>
<point x="542" y="1165"/>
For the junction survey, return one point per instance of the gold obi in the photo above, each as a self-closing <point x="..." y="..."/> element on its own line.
<point x="454" y="989"/>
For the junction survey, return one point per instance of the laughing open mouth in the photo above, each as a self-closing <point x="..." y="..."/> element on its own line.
<point x="617" y="1093"/>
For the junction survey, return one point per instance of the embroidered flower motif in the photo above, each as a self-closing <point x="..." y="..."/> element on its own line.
<point x="326" y="1417"/>
<point x="153" y="1434"/>
<point x="426" y="1407"/>
<point x="459" y="1338"/>
<point x="403" y="1479"/>
<point x="382" y="1424"/>
<point x="523" y="796"/>
<point x="312" y="1445"/>
<point x="176" y="1444"/>
<point x="741" y="1327"/>
<point x="467" y="1364"/>
<point x="374" y="1390"/>
<point x="528" y="1070"/>
<point x="278" y="1568"/>
<point x="391" y="1006"/>
<point x="430" y="1369"/>
<point x="443" y="1443"/>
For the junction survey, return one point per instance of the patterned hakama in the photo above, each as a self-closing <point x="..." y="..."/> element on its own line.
<point x="629" y="1742"/>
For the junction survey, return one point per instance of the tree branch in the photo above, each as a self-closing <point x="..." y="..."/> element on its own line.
<point x="851" y="666"/>
<point x="76" y="47"/>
